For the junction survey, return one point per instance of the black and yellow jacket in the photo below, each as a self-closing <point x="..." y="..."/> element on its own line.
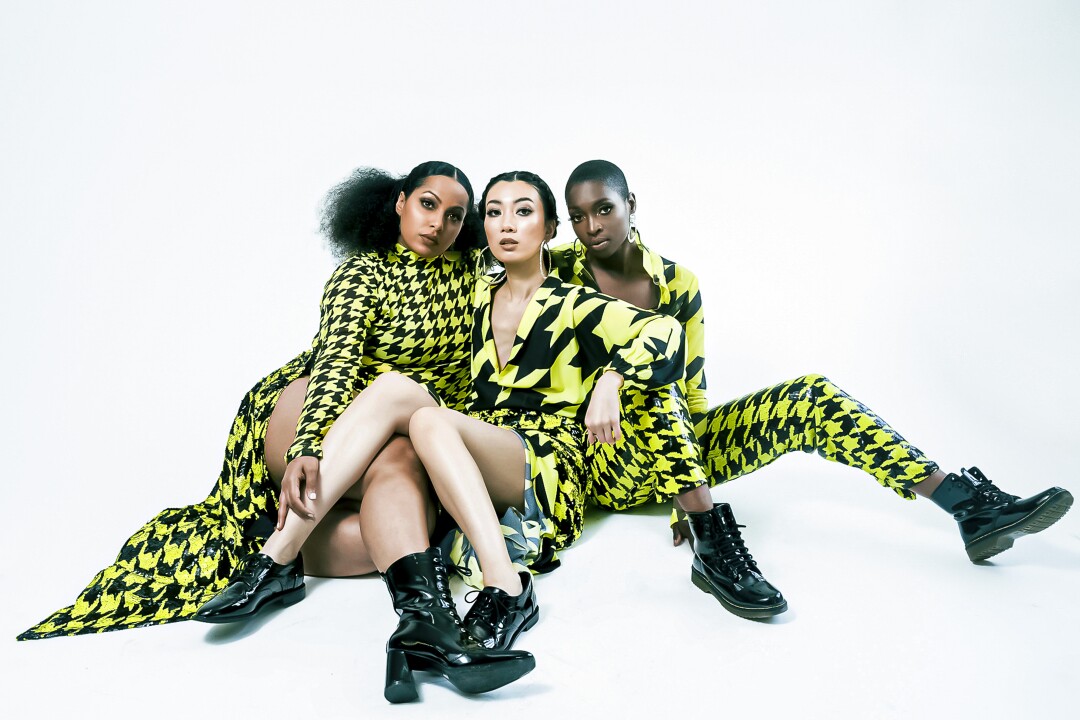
<point x="679" y="299"/>
<point x="568" y="336"/>
<point x="397" y="311"/>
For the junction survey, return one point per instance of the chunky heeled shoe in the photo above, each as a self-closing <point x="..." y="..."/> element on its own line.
<point x="497" y="618"/>
<point x="989" y="519"/>
<point x="258" y="584"/>
<point x="430" y="635"/>
<point x="724" y="568"/>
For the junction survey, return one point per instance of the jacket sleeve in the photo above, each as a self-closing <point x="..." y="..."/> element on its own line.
<point x="645" y="347"/>
<point x="346" y="315"/>
<point x="691" y="316"/>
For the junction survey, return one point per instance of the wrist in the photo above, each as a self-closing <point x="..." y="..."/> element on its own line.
<point x="611" y="378"/>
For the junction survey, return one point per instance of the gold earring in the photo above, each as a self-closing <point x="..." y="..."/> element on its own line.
<point x="484" y="266"/>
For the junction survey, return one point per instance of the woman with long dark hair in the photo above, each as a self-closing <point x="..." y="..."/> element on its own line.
<point x="398" y="306"/>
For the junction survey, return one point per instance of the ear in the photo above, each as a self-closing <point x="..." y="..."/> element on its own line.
<point x="631" y="203"/>
<point x="400" y="205"/>
<point x="549" y="230"/>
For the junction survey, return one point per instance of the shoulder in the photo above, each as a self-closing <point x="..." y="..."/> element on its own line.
<point x="678" y="277"/>
<point x="564" y="260"/>
<point x="357" y="269"/>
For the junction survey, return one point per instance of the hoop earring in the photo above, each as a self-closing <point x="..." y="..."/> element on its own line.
<point x="545" y="254"/>
<point x="484" y="266"/>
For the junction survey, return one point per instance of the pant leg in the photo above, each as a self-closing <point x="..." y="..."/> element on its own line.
<point x="658" y="457"/>
<point x="809" y="414"/>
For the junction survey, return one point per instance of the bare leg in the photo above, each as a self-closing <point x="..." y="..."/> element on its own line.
<point x="478" y="471"/>
<point x="353" y="441"/>
<point x="927" y="487"/>
<point x="698" y="499"/>
<point x="281" y="428"/>
<point x="396" y="514"/>
<point x="336" y="547"/>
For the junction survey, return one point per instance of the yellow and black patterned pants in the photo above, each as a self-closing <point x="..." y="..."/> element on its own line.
<point x="656" y="460"/>
<point x="184" y="556"/>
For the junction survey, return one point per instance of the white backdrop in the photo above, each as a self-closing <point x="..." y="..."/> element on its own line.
<point x="885" y="193"/>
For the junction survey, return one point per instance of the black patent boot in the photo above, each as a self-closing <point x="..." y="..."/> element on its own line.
<point x="258" y="584"/>
<point x="724" y="567"/>
<point x="496" y="618"/>
<point x="989" y="519"/>
<point x="430" y="635"/>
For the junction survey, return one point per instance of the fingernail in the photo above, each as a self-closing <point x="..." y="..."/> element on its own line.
<point x="311" y="496"/>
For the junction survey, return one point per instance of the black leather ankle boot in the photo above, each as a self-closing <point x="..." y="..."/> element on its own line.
<point x="257" y="584"/>
<point x="430" y="635"/>
<point x="989" y="519"/>
<point x="724" y="567"/>
<point x="496" y="618"/>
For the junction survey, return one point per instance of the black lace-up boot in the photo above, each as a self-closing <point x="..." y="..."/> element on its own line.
<point x="989" y="519"/>
<point x="430" y="635"/>
<point x="724" y="567"/>
<point x="496" y="618"/>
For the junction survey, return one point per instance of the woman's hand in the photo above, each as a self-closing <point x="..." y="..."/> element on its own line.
<point x="602" y="416"/>
<point x="299" y="487"/>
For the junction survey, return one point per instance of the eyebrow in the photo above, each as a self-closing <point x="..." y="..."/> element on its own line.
<point x="602" y="201"/>
<point x="524" y="199"/>
<point x="432" y="192"/>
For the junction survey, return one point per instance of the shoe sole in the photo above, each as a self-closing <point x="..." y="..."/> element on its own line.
<point x="743" y="611"/>
<point x="470" y="679"/>
<point x="527" y="625"/>
<point x="285" y="599"/>
<point x="1038" y="520"/>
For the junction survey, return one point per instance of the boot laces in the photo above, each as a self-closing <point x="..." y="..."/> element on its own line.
<point x="442" y="585"/>
<point x="489" y="607"/>
<point x="986" y="492"/>
<point x="735" y="554"/>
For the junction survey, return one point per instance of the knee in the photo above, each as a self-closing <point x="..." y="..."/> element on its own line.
<point x="397" y="459"/>
<point x="390" y="382"/>
<point x="397" y="464"/>
<point x="426" y="421"/>
<point x="818" y="384"/>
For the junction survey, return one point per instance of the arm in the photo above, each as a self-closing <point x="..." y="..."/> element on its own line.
<point x="346" y="314"/>
<point x="629" y="345"/>
<point x="648" y="347"/>
<point x="691" y="316"/>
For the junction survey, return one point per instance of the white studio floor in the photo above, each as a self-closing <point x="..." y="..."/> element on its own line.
<point x="887" y="619"/>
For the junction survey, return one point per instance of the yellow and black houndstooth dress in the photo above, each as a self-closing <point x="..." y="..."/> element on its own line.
<point x="379" y="312"/>
<point x="673" y="441"/>
<point x="568" y="336"/>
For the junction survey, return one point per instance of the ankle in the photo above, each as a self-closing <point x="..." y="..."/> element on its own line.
<point x="280" y="551"/>
<point x="925" y="488"/>
<point x="697" y="500"/>
<point x="510" y="585"/>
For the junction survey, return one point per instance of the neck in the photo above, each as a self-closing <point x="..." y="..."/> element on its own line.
<point x="522" y="279"/>
<point x="624" y="261"/>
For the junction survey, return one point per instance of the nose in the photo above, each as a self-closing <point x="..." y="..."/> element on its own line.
<point x="594" y="225"/>
<point x="437" y="223"/>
